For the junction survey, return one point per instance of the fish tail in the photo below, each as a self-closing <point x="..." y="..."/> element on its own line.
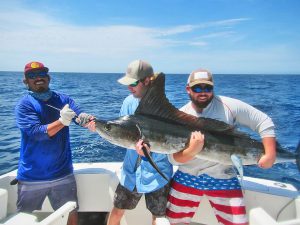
<point x="298" y="156"/>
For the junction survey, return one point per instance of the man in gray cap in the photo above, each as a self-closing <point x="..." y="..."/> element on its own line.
<point x="197" y="177"/>
<point x="138" y="177"/>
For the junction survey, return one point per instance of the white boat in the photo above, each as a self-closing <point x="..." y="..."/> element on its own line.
<point x="267" y="202"/>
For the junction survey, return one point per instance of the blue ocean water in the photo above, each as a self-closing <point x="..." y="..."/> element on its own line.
<point x="102" y="96"/>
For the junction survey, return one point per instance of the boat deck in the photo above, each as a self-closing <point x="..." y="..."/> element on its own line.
<point x="96" y="183"/>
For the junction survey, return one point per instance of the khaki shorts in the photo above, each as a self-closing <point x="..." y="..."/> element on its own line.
<point x="155" y="201"/>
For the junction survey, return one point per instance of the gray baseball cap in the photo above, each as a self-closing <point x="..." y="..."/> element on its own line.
<point x="136" y="70"/>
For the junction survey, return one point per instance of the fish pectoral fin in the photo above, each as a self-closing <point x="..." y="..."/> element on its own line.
<point x="141" y="135"/>
<point x="150" y="159"/>
<point x="238" y="164"/>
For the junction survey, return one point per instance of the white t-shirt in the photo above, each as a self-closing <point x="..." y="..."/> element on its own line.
<point x="233" y="112"/>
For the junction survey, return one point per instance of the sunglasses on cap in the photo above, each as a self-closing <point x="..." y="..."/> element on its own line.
<point x="35" y="74"/>
<point x="134" y="84"/>
<point x="205" y="89"/>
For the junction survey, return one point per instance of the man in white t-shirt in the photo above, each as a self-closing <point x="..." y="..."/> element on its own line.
<point x="196" y="177"/>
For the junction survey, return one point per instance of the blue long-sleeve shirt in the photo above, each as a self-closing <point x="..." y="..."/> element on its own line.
<point x="144" y="177"/>
<point x="43" y="157"/>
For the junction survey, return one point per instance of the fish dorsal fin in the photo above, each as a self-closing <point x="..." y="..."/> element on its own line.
<point x="155" y="104"/>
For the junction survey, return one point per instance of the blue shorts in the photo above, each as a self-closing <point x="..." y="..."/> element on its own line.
<point x="31" y="195"/>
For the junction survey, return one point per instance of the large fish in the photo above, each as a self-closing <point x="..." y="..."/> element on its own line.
<point x="168" y="130"/>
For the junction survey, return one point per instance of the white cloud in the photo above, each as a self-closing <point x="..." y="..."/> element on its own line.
<point x="28" y="35"/>
<point x="38" y="33"/>
<point x="223" y="34"/>
<point x="176" y="30"/>
<point x="41" y="37"/>
<point x="229" y="22"/>
<point x="198" y="43"/>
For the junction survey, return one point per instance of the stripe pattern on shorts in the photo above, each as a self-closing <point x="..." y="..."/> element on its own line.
<point x="224" y="195"/>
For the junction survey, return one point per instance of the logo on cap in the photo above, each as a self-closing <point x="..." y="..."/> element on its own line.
<point x="35" y="65"/>
<point x="201" y="75"/>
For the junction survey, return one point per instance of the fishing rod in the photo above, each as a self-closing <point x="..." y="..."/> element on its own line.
<point x="53" y="107"/>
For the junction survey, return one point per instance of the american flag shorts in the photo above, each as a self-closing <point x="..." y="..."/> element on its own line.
<point x="224" y="195"/>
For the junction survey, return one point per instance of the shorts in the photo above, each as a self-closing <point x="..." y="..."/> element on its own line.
<point x="155" y="201"/>
<point x="31" y="195"/>
<point x="225" y="196"/>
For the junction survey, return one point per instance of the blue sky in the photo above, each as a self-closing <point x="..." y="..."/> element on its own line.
<point x="175" y="36"/>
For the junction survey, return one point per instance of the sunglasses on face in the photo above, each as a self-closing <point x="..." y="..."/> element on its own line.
<point x="205" y="89"/>
<point x="134" y="84"/>
<point x="34" y="75"/>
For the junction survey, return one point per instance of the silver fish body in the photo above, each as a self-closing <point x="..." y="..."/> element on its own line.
<point x="168" y="130"/>
<point x="168" y="138"/>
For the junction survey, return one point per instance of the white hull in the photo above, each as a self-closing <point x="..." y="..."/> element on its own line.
<point x="266" y="201"/>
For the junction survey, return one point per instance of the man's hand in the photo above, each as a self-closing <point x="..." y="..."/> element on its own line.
<point x="91" y="125"/>
<point x="139" y="145"/>
<point x="266" y="161"/>
<point x="66" y="115"/>
<point x="83" y="119"/>
<point x="196" y="144"/>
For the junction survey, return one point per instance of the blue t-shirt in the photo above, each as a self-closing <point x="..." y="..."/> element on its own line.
<point x="144" y="177"/>
<point x="42" y="157"/>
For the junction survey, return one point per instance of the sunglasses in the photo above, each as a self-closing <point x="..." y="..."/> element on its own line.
<point x="205" y="89"/>
<point x="34" y="75"/>
<point x="134" y="84"/>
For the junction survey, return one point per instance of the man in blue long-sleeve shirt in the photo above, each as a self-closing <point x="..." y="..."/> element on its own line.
<point x="45" y="165"/>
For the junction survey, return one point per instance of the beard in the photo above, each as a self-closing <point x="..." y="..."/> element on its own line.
<point x="37" y="90"/>
<point x="42" y="89"/>
<point x="201" y="105"/>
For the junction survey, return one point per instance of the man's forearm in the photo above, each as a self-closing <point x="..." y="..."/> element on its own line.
<point x="269" y="146"/>
<point x="54" y="127"/>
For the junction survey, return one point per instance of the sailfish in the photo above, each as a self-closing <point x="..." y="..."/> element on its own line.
<point x="167" y="130"/>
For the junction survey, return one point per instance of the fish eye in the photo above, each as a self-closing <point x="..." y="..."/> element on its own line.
<point x="107" y="127"/>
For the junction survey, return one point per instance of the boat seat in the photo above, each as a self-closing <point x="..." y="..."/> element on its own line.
<point x="3" y="205"/>
<point x="162" y="221"/>
<point x="58" y="217"/>
<point x="21" y="218"/>
<point x="258" y="216"/>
